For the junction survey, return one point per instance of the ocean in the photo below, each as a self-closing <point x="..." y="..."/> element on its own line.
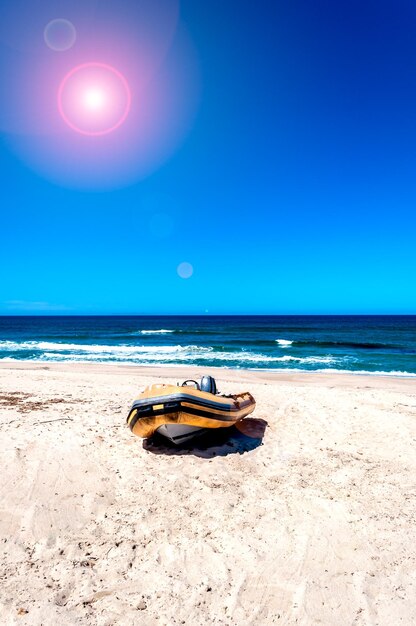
<point x="355" y="344"/>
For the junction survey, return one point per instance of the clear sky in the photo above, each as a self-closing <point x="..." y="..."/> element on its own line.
<point x="293" y="190"/>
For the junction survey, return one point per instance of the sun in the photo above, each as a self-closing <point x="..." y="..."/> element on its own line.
<point x="94" y="99"/>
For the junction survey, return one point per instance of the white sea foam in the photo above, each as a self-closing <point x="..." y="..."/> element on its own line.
<point x="332" y="370"/>
<point x="366" y="372"/>
<point x="160" y="331"/>
<point x="172" y="354"/>
<point x="148" y="354"/>
<point x="284" y="343"/>
<point x="42" y="346"/>
<point x="305" y="359"/>
<point x="181" y="355"/>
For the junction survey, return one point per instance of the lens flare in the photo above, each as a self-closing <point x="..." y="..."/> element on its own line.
<point x="112" y="109"/>
<point x="60" y="35"/>
<point x="185" y="270"/>
<point x="94" y="99"/>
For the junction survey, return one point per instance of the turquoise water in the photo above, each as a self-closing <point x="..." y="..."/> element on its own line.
<point x="374" y="344"/>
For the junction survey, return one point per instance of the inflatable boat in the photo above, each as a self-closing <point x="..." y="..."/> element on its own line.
<point x="181" y="412"/>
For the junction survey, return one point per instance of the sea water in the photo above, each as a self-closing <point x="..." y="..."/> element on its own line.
<point x="360" y="344"/>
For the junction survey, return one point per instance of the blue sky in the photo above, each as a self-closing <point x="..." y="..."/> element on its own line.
<point x="294" y="190"/>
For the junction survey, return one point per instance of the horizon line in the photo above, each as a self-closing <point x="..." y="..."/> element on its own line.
<point x="2" y="315"/>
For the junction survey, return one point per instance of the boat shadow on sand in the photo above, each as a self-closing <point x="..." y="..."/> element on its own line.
<point x="243" y="437"/>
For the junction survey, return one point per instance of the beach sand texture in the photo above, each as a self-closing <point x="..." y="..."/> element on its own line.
<point x="304" y="516"/>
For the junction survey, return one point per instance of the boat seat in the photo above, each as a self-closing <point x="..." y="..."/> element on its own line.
<point x="208" y="384"/>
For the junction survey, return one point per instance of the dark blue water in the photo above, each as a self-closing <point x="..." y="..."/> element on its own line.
<point x="359" y="344"/>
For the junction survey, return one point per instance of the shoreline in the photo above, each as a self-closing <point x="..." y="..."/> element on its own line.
<point x="232" y="374"/>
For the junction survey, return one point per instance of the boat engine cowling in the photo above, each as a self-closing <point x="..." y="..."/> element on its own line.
<point x="208" y="384"/>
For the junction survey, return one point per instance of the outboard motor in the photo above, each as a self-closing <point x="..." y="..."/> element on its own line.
<point x="208" y="384"/>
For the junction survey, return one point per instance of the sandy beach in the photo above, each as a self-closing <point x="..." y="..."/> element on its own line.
<point x="304" y="515"/>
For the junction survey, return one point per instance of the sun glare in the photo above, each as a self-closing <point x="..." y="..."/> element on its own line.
<point x="94" y="98"/>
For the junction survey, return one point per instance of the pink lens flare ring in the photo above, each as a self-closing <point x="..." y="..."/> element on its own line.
<point x="94" y="99"/>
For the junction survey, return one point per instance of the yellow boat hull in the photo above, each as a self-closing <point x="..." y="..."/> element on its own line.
<point x="160" y="405"/>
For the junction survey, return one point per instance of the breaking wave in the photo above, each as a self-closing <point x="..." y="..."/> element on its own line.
<point x="284" y="343"/>
<point x="339" y="344"/>
<point x="178" y="354"/>
<point x="160" y="331"/>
